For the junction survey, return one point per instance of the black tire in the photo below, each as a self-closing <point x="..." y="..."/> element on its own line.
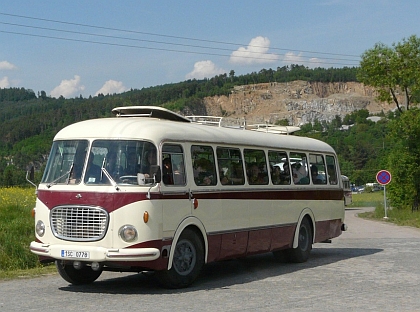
<point x="77" y="277"/>
<point x="187" y="262"/>
<point x="303" y="250"/>
<point x="282" y="256"/>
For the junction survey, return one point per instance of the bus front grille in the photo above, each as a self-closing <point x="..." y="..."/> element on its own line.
<point x="79" y="223"/>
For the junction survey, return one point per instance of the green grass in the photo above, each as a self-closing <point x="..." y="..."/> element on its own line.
<point x="376" y="199"/>
<point x="367" y="199"/>
<point x="16" y="233"/>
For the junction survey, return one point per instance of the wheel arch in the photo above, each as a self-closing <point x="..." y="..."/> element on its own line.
<point x="197" y="226"/>
<point x="306" y="213"/>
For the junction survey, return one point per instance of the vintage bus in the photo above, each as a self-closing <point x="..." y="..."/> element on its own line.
<point x="150" y="190"/>
<point x="348" y="197"/>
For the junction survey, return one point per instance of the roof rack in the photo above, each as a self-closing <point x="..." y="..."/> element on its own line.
<point x="225" y="122"/>
<point x="270" y="128"/>
<point x="241" y="124"/>
<point x="148" y="111"/>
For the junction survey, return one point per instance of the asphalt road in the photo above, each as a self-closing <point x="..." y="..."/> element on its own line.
<point x="373" y="266"/>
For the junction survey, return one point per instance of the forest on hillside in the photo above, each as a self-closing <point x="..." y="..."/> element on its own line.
<point x="29" y="120"/>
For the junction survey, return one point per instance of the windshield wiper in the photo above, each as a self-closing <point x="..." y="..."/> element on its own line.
<point x="70" y="172"/>
<point x="62" y="176"/>
<point x="111" y="180"/>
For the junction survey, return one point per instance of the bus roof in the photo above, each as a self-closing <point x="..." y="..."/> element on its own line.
<point x="157" y="130"/>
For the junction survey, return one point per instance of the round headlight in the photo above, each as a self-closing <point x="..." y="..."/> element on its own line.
<point x="40" y="228"/>
<point x="128" y="233"/>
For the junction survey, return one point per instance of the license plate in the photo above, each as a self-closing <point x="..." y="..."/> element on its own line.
<point x="75" y="254"/>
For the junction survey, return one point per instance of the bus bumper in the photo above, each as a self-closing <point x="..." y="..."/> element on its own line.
<point x="97" y="254"/>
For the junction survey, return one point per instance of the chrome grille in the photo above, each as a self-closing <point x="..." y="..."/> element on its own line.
<point x="79" y="223"/>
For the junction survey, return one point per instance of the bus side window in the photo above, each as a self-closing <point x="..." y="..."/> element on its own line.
<point x="256" y="166"/>
<point x="331" y="170"/>
<point x="229" y="161"/>
<point x="204" y="167"/>
<point x="279" y="167"/>
<point x="317" y="165"/>
<point x="299" y="166"/>
<point x="173" y="172"/>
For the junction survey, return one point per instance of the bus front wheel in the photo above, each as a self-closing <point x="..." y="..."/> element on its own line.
<point x="188" y="259"/>
<point x="84" y="275"/>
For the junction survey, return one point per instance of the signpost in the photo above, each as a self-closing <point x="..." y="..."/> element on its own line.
<point x="384" y="177"/>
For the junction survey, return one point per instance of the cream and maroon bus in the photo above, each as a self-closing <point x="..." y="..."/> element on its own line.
<point x="151" y="190"/>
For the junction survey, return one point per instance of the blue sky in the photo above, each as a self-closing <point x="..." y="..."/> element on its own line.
<point x="74" y="48"/>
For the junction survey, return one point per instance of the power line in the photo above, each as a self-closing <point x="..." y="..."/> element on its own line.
<point x="150" y="48"/>
<point x="170" y="36"/>
<point x="151" y="41"/>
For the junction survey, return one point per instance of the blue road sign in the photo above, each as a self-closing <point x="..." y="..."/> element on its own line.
<point x="383" y="177"/>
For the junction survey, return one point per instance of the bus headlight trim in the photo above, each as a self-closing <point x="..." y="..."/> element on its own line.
<point x="40" y="228"/>
<point x="128" y="233"/>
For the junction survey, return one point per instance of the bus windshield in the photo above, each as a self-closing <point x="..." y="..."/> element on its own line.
<point x="106" y="162"/>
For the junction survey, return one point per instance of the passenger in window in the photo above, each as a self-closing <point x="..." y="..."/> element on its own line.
<point x="224" y="178"/>
<point x="314" y="175"/>
<point x="279" y="177"/>
<point x="132" y="164"/>
<point x="111" y="165"/>
<point x="167" y="175"/>
<point x="93" y="172"/>
<point x="78" y="162"/>
<point x="285" y="174"/>
<point x="299" y="174"/>
<point x="203" y="168"/>
<point x="179" y="174"/>
<point x="149" y="161"/>
<point x="255" y="176"/>
<point x="276" y="175"/>
<point x="237" y="174"/>
<point x="206" y="181"/>
<point x="332" y="174"/>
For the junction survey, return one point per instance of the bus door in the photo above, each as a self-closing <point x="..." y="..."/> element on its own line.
<point x="175" y="193"/>
<point x="234" y="216"/>
<point x="206" y="195"/>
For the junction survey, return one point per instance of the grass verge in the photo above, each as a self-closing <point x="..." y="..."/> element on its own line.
<point x="402" y="217"/>
<point x="28" y="273"/>
<point x="16" y="233"/>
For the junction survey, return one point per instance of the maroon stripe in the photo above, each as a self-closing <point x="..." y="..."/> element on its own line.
<point x="113" y="201"/>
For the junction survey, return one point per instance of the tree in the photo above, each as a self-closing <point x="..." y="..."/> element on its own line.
<point x="404" y="159"/>
<point x="392" y="70"/>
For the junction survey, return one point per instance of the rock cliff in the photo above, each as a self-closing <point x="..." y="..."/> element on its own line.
<point x="299" y="102"/>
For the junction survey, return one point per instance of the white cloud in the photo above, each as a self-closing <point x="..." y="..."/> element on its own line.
<point x="254" y="53"/>
<point x="204" y="69"/>
<point x="5" y="65"/>
<point x="68" y="88"/>
<point x="4" y="83"/>
<point x="111" y="87"/>
<point x="291" y="58"/>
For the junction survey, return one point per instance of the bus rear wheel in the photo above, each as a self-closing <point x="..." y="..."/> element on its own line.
<point x="188" y="259"/>
<point x="84" y="275"/>
<point x="303" y="250"/>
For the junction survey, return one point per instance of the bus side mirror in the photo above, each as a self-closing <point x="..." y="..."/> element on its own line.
<point x="156" y="173"/>
<point x="30" y="176"/>
<point x="32" y="173"/>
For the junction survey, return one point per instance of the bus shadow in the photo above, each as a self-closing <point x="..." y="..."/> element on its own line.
<point x="222" y="274"/>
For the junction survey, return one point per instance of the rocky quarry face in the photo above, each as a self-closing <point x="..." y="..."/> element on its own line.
<point x="299" y="102"/>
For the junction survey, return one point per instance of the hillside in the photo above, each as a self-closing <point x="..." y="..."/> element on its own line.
<point x="299" y="102"/>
